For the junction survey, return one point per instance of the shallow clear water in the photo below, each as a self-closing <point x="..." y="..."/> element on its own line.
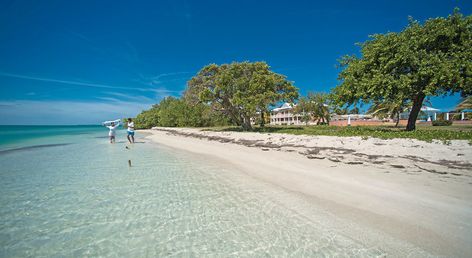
<point x="78" y="197"/>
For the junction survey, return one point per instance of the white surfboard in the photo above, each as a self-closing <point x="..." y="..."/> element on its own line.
<point x="107" y="123"/>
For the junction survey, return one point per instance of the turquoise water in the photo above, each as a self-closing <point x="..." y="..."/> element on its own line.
<point x="67" y="192"/>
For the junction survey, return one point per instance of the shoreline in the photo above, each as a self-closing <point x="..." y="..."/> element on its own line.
<point x="424" y="201"/>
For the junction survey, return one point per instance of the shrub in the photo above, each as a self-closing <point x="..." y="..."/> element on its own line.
<point x="441" y="116"/>
<point x="468" y="116"/>
<point x="423" y="133"/>
<point x="456" y="116"/>
<point x="442" y="123"/>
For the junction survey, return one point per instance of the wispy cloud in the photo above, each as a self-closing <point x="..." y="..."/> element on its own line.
<point x="163" y="78"/>
<point x="67" y="112"/>
<point x="159" y="76"/>
<point x="79" y="83"/>
<point x="142" y="99"/>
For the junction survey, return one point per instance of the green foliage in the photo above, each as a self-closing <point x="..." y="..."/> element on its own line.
<point x="172" y="112"/>
<point x="314" y="107"/>
<point x="441" y="116"/>
<point x="432" y="59"/>
<point x="239" y="90"/>
<point x="388" y="109"/>
<point x="305" y="117"/>
<point x="423" y="133"/>
<point x="456" y="116"/>
<point x="147" y="118"/>
<point x="222" y="95"/>
<point x="262" y="119"/>
<point x="354" y="111"/>
<point x="338" y="110"/>
<point x="442" y="123"/>
<point x="169" y="112"/>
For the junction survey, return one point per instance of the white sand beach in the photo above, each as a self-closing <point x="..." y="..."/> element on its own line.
<point x="405" y="196"/>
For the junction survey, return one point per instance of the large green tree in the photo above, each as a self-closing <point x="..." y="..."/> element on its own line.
<point x="240" y="90"/>
<point x="430" y="59"/>
<point x="147" y="118"/>
<point x="178" y="112"/>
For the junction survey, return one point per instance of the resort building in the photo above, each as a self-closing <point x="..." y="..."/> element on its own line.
<point x="284" y="115"/>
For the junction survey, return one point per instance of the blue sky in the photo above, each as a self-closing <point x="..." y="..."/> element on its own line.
<point x="82" y="62"/>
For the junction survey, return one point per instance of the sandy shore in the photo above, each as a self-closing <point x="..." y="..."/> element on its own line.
<point x="406" y="196"/>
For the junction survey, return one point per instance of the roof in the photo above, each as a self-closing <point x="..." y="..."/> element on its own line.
<point x="287" y="106"/>
<point x="424" y="108"/>
<point x="284" y="106"/>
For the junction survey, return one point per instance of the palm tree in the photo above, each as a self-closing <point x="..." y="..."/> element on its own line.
<point x="314" y="107"/>
<point x="322" y="109"/>
<point x="390" y="110"/>
<point x="466" y="103"/>
<point x="303" y="107"/>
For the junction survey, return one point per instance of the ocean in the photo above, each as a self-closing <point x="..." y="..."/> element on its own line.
<point x="65" y="191"/>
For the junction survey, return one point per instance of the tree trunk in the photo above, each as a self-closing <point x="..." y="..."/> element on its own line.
<point x="415" y="110"/>
<point x="262" y="119"/>
<point x="232" y="116"/>
<point x="246" y="123"/>
<point x="398" y="119"/>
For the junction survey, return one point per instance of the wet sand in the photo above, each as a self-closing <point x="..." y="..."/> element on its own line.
<point x="406" y="196"/>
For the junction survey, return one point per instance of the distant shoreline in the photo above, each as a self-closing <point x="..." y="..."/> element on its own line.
<point x="416" y="192"/>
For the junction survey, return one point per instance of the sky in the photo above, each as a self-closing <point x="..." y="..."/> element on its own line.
<point x="83" y="62"/>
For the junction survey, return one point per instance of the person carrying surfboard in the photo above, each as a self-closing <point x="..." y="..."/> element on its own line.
<point x="112" y="132"/>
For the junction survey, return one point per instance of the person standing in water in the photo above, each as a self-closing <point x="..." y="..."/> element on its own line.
<point x="112" y="132"/>
<point x="130" y="130"/>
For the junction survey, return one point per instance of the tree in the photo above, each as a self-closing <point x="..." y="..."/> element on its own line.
<point x="466" y="103"/>
<point x="392" y="110"/>
<point x="354" y="111"/>
<point x="169" y="112"/>
<point x="304" y="108"/>
<point x="264" y="117"/>
<point x="239" y="90"/>
<point x="386" y="109"/>
<point x="147" y="118"/>
<point x="172" y="112"/>
<point x="314" y="107"/>
<point x="339" y="110"/>
<point x="432" y="59"/>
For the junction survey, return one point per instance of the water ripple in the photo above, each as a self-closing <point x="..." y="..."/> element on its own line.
<point x="71" y="202"/>
<point x="32" y="147"/>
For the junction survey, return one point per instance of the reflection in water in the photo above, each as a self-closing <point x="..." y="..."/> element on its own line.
<point x="33" y="147"/>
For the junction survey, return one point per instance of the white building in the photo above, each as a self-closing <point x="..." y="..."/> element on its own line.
<point x="428" y="114"/>
<point x="284" y="115"/>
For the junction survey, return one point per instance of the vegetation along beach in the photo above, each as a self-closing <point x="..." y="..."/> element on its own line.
<point x="236" y="129"/>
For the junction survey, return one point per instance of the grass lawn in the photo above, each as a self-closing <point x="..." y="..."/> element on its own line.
<point x="423" y="132"/>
